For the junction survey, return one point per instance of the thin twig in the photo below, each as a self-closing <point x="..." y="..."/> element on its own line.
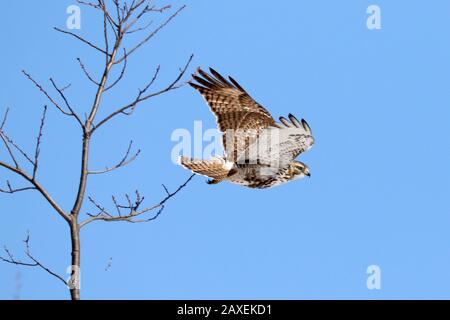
<point x="122" y="72"/>
<point x="70" y="113"/>
<point x="8" y="148"/>
<point x="11" y="190"/>
<point x="105" y="34"/>
<point x="89" y="4"/>
<point x="39" y="188"/>
<point x="151" y="35"/>
<point x="82" y="40"/>
<point x="140" y="28"/>
<point x="122" y="163"/>
<point x="144" y="11"/>
<point x="133" y="208"/>
<point x="129" y="108"/>
<point x="17" y="147"/>
<point x="63" y="96"/>
<point x="87" y="73"/>
<point x="5" y="117"/>
<point x="99" y="207"/>
<point x="36" y="263"/>
<point x="37" y="150"/>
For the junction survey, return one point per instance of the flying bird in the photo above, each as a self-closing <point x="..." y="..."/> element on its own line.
<point x="259" y="152"/>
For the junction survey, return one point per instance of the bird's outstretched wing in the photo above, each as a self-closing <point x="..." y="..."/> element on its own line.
<point x="278" y="145"/>
<point x="234" y="109"/>
<point x="295" y="138"/>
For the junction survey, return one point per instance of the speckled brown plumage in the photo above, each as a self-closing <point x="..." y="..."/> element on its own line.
<point x="246" y="124"/>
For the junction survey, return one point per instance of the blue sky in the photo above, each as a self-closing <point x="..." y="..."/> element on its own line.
<point x="378" y="105"/>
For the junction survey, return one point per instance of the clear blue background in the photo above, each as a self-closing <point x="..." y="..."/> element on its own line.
<point x="378" y="104"/>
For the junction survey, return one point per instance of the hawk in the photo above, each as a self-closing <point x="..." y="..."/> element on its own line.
<point x="259" y="152"/>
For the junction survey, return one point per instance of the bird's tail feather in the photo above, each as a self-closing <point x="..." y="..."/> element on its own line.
<point x="216" y="168"/>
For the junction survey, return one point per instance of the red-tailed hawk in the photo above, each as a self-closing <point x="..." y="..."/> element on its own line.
<point x="259" y="152"/>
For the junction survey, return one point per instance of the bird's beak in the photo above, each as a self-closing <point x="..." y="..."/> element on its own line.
<point x="309" y="175"/>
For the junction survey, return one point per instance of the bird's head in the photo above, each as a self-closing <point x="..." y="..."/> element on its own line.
<point x="299" y="169"/>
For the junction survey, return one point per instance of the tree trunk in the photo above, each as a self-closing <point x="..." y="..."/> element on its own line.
<point x="74" y="282"/>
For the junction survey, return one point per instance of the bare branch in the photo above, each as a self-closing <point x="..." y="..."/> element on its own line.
<point x="5" y="117"/>
<point x="87" y="73"/>
<point x="165" y="189"/>
<point x="39" y="188"/>
<point x="9" y="141"/>
<point x="82" y="40"/>
<point x="11" y="154"/>
<point x="151" y="35"/>
<point x="140" y="28"/>
<point x="31" y="179"/>
<point x="65" y="87"/>
<point x="121" y="72"/>
<point x="118" y="10"/>
<point x="127" y="218"/>
<point x="12" y="260"/>
<point x="122" y="163"/>
<point x="89" y="4"/>
<point x="87" y="130"/>
<point x="5" y="141"/>
<point x="133" y="208"/>
<point x="61" y="93"/>
<point x="160" y="10"/>
<point x="35" y="262"/>
<point x="99" y="207"/>
<point x="128" y="12"/>
<point x="44" y="92"/>
<point x="101" y="6"/>
<point x="105" y="33"/>
<point x="116" y="205"/>
<point x="11" y="190"/>
<point x="146" y="9"/>
<point x="37" y="150"/>
<point x="129" y="108"/>
<point x="171" y="194"/>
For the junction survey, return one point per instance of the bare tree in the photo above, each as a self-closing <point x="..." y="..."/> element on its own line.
<point x="120" y="19"/>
